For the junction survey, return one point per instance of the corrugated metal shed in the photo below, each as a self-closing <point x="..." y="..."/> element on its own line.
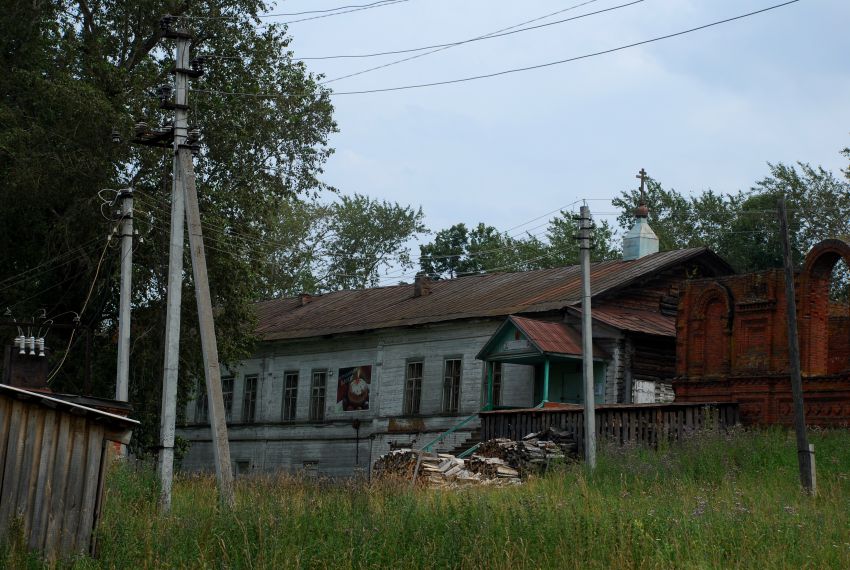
<point x="476" y="296"/>
<point x="53" y="457"/>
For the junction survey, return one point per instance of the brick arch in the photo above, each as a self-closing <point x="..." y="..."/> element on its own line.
<point x="710" y="332"/>
<point x="813" y="306"/>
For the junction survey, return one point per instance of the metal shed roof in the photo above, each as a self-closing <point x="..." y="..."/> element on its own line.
<point x="476" y="296"/>
<point x="56" y="403"/>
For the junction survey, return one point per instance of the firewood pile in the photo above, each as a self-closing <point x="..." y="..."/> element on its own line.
<point x="532" y="455"/>
<point x="498" y="461"/>
<point x="434" y="469"/>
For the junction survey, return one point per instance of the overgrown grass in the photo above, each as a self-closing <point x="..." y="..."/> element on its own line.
<point x="710" y="502"/>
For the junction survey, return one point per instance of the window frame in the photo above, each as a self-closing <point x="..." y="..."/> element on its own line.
<point x="289" y="400"/>
<point x="228" y="384"/>
<point x="202" y="405"/>
<point x="318" y="395"/>
<point x="452" y="386"/>
<point x="412" y="398"/>
<point x="249" y="406"/>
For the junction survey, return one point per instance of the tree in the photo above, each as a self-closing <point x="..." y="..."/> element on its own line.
<point x="457" y="251"/>
<point x="742" y="227"/>
<point x="73" y="72"/>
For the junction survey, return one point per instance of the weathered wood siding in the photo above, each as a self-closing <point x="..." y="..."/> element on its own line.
<point x="645" y="424"/>
<point x="270" y="444"/>
<point x="52" y="465"/>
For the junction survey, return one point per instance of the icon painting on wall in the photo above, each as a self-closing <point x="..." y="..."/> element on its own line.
<point x="353" y="386"/>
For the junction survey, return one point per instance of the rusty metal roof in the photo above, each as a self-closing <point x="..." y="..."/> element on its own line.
<point x="476" y="296"/>
<point x="633" y="320"/>
<point x="552" y="337"/>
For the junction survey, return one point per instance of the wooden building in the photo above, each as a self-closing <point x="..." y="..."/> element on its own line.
<point x="53" y="458"/>
<point x="341" y="378"/>
<point x="733" y="342"/>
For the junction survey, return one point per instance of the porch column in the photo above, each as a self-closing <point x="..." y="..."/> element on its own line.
<point x="490" y="385"/>
<point x="546" y="380"/>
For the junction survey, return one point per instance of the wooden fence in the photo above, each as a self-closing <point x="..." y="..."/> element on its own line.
<point x="53" y="457"/>
<point x="644" y="424"/>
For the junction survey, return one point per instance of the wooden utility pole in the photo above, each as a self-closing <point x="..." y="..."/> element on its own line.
<point x="587" y="342"/>
<point x="184" y="202"/>
<point x="805" y="452"/>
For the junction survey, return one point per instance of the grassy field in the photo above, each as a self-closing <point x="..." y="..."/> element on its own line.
<point x="710" y="502"/>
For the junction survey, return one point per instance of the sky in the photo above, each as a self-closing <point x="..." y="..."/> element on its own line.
<point x="708" y="109"/>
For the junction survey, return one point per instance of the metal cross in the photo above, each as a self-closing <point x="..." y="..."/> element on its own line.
<point x="642" y="176"/>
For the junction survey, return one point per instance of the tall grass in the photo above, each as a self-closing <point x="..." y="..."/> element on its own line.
<point x="710" y="502"/>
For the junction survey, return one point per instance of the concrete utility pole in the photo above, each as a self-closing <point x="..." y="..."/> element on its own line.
<point x="587" y="341"/>
<point x="183" y="198"/>
<point x="122" y="381"/>
<point x="209" y="346"/>
<point x="805" y="452"/>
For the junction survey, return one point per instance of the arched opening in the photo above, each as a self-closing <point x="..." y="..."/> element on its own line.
<point x="823" y="309"/>
<point x="708" y="345"/>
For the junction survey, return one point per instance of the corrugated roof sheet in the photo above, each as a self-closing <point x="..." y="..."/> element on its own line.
<point x="552" y="337"/>
<point x="492" y="295"/>
<point x="648" y="322"/>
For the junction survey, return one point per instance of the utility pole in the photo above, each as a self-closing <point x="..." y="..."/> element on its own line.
<point x="122" y="381"/>
<point x="184" y="205"/>
<point x="587" y="341"/>
<point x="209" y="346"/>
<point x="805" y="452"/>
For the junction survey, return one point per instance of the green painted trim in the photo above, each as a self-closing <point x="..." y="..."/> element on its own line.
<point x="546" y="380"/>
<point x="490" y="391"/>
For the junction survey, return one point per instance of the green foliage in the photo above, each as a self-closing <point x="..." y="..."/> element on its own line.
<point x="743" y="228"/>
<point x="458" y="251"/>
<point x="74" y="71"/>
<point x="713" y="501"/>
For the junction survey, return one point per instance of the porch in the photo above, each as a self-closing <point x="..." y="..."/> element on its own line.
<point x="552" y="349"/>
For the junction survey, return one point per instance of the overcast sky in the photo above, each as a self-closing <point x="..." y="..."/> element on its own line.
<point x="703" y="110"/>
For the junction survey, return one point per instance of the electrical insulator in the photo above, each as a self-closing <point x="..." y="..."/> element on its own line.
<point x="165" y="22"/>
<point x="116" y="136"/>
<point x="164" y="92"/>
<point x="198" y="64"/>
<point x="193" y="134"/>
<point x="31" y="345"/>
<point x="21" y="342"/>
<point x="141" y="128"/>
<point x="39" y="343"/>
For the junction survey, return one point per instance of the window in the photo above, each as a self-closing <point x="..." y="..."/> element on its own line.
<point x="290" y="395"/>
<point x="317" y="395"/>
<point x="451" y="386"/>
<point x="497" y="384"/>
<point x="227" y="396"/>
<point x="413" y="388"/>
<point x="249" y="399"/>
<point x="202" y="408"/>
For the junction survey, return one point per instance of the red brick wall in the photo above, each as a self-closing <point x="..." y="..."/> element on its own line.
<point x="732" y="342"/>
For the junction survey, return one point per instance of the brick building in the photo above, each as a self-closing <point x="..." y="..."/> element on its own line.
<point x="732" y="342"/>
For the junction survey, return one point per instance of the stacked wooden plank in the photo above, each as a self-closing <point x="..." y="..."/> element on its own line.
<point x="499" y="461"/>
<point x="532" y="455"/>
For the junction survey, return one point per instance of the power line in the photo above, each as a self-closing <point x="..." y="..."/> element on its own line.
<point x="491" y="35"/>
<point x="338" y="8"/>
<point x="367" y="7"/>
<point x="568" y="60"/>
<point x="514" y="70"/>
